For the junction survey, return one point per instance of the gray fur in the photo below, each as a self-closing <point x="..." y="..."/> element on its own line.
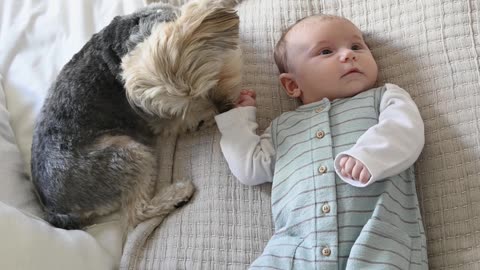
<point x="76" y="174"/>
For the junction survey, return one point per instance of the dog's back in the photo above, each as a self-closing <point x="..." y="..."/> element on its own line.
<point x="89" y="145"/>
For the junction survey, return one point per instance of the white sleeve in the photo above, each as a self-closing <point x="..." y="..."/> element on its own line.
<point x="249" y="156"/>
<point x="392" y="145"/>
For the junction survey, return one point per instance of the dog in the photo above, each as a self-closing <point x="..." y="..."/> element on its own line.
<point x="160" y="71"/>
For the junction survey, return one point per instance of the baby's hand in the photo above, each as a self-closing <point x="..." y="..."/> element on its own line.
<point x="246" y="98"/>
<point x="353" y="168"/>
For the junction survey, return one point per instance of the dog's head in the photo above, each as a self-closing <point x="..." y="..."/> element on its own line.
<point x="186" y="71"/>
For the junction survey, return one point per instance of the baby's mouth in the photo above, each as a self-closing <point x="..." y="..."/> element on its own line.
<point x="352" y="71"/>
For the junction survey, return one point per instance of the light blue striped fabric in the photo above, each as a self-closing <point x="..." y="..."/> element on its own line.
<point x="322" y="222"/>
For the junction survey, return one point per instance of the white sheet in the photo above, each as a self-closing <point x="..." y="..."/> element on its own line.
<point x="37" y="37"/>
<point x="29" y="243"/>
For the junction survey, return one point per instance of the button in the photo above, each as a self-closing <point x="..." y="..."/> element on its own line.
<point x="319" y="109"/>
<point x="320" y="134"/>
<point x="322" y="169"/>
<point x="326" y="251"/>
<point x="326" y="208"/>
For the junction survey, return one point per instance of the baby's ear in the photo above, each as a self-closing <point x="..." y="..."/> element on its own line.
<point x="290" y="85"/>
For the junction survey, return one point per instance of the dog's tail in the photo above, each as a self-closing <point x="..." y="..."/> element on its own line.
<point x="64" y="221"/>
<point x="188" y="57"/>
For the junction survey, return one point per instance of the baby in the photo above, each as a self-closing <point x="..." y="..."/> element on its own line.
<point x="343" y="187"/>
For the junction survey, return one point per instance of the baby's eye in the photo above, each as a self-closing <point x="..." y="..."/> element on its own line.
<point x="356" y="47"/>
<point x="325" y="51"/>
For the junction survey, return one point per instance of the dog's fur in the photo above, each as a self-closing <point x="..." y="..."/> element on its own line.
<point x="160" y="70"/>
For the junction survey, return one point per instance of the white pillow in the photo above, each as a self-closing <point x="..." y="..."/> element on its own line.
<point x="15" y="187"/>
<point x="29" y="243"/>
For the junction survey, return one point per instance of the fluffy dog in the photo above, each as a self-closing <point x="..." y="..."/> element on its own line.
<point x="161" y="70"/>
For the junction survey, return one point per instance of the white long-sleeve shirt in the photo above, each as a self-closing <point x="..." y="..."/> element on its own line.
<point x="386" y="149"/>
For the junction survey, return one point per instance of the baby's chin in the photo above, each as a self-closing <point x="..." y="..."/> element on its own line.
<point x="355" y="88"/>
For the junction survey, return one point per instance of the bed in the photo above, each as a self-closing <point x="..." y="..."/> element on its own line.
<point x="431" y="48"/>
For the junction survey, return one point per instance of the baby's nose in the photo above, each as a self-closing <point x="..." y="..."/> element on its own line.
<point x="348" y="55"/>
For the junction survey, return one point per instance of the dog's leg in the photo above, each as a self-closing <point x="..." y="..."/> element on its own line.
<point x="169" y="199"/>
<point x="136" y="180"/>
<point x="94" y="180"/>
<point x="137" y="173"/>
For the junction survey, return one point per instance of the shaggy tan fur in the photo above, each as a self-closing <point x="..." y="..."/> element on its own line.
<point x="187" y="70"/>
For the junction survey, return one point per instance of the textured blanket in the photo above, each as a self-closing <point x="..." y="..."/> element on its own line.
<point x="430" y="48"/>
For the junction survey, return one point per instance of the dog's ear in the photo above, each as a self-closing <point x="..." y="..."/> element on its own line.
<point x="208" y="36"/>
<point x="183" y="59"/>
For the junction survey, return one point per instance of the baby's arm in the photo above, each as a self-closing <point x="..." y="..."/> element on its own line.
<point x="249" y="156"/>
<point x="392" y="145"/>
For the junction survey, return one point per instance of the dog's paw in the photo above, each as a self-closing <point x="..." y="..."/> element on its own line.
<point x="175" y="195"/>
<point x="182" y="203"/>
<point x="184" y="192"/>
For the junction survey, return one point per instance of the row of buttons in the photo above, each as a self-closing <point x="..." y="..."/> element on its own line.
<point x="320" y="134"/>
<point x="325" y="209"/>
<point x="326" y="251"/>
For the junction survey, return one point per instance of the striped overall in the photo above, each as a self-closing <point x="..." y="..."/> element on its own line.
<point x="321" y="222"/>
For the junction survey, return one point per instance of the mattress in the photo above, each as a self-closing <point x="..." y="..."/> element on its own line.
<point x="430" y="48"/>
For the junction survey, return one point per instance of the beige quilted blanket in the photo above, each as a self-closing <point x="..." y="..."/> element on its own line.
<point x="430" y="48"/>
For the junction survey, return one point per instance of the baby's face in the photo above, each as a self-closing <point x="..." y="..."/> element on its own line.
<point x="329" y="58"/>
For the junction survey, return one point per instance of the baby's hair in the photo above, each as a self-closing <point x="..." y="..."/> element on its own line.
<point x="280" y="52"/>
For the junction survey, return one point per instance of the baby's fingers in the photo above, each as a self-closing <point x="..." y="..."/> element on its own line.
<point x="349" y="164"/>
<point x="357" y="170"/>
<point x="342" y="161"/>
<point x="248" y="92"/>
<point x="364" y="176"/>
<point x="345" y="173"/>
